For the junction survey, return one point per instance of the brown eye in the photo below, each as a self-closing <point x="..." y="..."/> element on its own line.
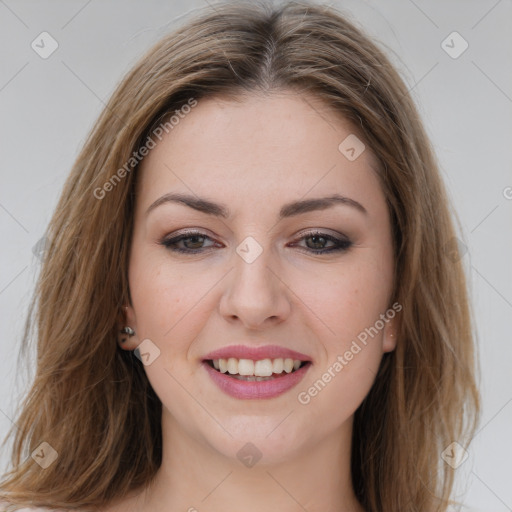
<point x="190" y="242"/>
<point x="318" y="242"/>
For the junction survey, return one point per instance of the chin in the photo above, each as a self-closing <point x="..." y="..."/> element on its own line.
<point x="265" y="440"/>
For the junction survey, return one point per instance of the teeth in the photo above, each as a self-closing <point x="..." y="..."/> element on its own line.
<point x="288" y="365"/>
<point x="252" y="378"/>
<point x="261" y="368"/>
<point x="278" y="365"/>
<point x="232" y="365"/>
<point x="246" y="367"/>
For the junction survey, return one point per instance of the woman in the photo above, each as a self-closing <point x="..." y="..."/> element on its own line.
<point x="251" y="294"/>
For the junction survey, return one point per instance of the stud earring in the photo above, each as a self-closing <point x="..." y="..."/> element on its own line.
<point x="127" y="330"/>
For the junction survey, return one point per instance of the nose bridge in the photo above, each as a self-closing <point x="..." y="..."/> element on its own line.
<point x="254" y="293"/>
<point x="252" y="275"/>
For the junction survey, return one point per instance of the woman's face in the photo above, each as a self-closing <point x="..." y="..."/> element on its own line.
<point x="253" y="281"/>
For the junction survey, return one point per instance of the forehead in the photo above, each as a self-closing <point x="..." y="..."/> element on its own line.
<point x="259" y="146"/>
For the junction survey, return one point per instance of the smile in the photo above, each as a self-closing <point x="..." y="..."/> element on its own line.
<point x="263" y="369"/>
<point x="260" y="379"/>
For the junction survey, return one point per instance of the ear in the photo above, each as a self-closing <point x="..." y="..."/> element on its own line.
<point x="389" y="335"/>
<point x="126" y="318"/>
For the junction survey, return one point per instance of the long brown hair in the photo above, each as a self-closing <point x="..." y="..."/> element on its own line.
<point x="91" y="401"/>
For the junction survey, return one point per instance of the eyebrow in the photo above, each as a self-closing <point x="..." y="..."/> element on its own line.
<point x="287" y="210"/>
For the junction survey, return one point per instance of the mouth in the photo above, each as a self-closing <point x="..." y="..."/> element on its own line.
<point x="249" y="370"/>
<point x="258" y="379"/>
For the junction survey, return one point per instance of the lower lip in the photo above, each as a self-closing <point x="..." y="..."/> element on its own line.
<point x="256" y="389"/>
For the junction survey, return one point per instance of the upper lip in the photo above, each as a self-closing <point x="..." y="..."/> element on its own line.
<point x="256" y="353"/>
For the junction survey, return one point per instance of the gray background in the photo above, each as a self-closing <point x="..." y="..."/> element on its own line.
<point x="49" y="105"/>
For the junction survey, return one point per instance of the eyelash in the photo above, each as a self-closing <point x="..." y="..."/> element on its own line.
<point x="341" y="245"/>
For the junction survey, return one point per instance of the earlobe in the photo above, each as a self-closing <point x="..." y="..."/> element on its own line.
<point x="126" y="336"/>
<point x="389" y="337"/>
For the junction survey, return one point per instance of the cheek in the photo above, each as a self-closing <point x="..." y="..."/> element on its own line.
<point x="347" y="299"/>
<point x="349" y="306"/>
<point x="352" y="351"/>
<point x="334" y="394"/>
<point x="170" y="300"/>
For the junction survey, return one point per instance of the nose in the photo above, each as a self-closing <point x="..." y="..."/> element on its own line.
<point x="255" y="294"/>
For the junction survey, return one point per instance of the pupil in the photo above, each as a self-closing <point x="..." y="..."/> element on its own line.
<point x="195" y="239"/>
<point x="315" y="239"/>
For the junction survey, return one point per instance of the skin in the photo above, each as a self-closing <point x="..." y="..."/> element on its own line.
<point x="254" y="156"/>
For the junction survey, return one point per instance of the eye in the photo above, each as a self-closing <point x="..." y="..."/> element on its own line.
<point x="319" y="240"/>
<point x="192" y="242"/>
